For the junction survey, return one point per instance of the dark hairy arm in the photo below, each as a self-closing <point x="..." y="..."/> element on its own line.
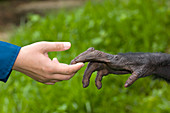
<point x="138" y="64"/>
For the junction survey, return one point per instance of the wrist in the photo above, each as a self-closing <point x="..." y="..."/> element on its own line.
<point x="17" y="61"/>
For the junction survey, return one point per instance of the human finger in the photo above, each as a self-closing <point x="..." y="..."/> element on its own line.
<point x="60" y="77"/>
<point x="49" y="83"/>
<point x="55" y="60"/>
<point x="67" y="69"/>
<point x="53" y="46"/>
<point x="52" y="82"/>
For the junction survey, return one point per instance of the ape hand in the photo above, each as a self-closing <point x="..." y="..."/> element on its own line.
<point x="138" y="64"/>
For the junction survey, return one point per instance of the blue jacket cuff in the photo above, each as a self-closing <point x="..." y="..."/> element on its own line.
<point x="9" y="53"/>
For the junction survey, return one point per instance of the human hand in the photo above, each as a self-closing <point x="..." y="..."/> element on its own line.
<point x="138" y="64"/>
<point x="33" y="61"/>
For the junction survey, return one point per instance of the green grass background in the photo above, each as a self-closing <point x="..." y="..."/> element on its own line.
<point x="112" y="26"/>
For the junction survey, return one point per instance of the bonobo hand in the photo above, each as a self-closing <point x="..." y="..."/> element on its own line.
<point x="138" y="64"/>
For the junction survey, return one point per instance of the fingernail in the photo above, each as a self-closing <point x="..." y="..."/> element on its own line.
<point x="54" y="59"/>
<point x="67" y="45"/>
<point x="126" y="85"/>
<point x="80" y="63"/>
<point x="85" y="85"/>
<point x="99" y="87"/>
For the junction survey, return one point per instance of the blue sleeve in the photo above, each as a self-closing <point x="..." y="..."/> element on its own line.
<point x="8" y="55"/>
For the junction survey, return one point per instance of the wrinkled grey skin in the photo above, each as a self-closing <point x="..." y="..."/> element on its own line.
<point x="138" y="64"/>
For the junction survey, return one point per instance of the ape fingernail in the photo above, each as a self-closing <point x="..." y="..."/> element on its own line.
<point x="99" y="87"/>
<point x="85" y="85"/>
<point x="126" y="85"/>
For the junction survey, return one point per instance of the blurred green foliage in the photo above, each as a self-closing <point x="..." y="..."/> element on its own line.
<point x="111" y="26"/>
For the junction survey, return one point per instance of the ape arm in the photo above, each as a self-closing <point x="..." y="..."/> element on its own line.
<point x="138" y="64"/>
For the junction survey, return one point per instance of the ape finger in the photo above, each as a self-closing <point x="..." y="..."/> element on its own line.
<point x="99" y="76"/>
<point x="92" y="66"/>
<point x="82" y="54"/>
<point x="99" y="79"/>
<point x="92" y="55"/>
<point x="131" y="79"/>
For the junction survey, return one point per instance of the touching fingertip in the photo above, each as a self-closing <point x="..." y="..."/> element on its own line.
<point x="73" y="62"/>
<point x="80" y="63"/>
<point x="54" y="59"/>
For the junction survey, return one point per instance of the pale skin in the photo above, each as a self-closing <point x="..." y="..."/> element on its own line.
<point x="34" y="62"/>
